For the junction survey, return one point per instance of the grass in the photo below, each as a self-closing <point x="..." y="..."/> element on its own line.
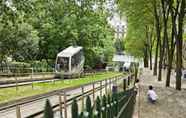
<point x="7" y="94"/>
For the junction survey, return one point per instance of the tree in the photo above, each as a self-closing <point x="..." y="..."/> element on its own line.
<point x="140" y="21"/>
<point x="167" y="17"/>
<point x="157" y="18"/>
<point x="179" y="41"/>
<point x="39" y="29"/>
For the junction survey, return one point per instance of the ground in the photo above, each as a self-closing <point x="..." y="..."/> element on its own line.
<point x="171" y="103"/>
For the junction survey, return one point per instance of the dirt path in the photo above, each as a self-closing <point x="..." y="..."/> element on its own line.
<point x="171" y="103"/>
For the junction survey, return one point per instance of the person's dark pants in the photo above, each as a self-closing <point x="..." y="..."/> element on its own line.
<point x="151" y="100"/>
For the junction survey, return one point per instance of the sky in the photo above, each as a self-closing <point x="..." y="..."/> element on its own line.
<point x="119" y="24"/>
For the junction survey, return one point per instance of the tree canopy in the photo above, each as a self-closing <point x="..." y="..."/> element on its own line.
<point x="39" y="29"/>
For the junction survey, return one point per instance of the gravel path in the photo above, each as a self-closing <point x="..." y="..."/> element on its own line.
<point x="171" y="103"/>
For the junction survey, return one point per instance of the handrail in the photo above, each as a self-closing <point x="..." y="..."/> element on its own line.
<point x="69" y="100"/>
<point x="25" y="100"/>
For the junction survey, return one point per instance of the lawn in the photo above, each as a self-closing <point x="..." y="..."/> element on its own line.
<point x="8" y="94"/>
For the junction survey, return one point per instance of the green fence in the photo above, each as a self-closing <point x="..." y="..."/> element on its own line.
<point x="118" y="105"/>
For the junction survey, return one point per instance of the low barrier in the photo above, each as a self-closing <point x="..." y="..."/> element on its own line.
<point x="105" y="86"/>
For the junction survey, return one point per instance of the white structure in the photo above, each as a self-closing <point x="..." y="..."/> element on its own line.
<point x="70" y="61"/>
<point x="122" y="60"/>
<point x="184" y="75"/>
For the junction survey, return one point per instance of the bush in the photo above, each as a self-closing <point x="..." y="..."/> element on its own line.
<point x="19" y="67"/>
<point x="104" y="103"/>
<point x="42" y="66"/>
<point x="89" y="106"/>
<point x="108" y="107"/>
<point x="48" y="112"/>
<point x="98" y="106"/>
<point x="74" y="109"/>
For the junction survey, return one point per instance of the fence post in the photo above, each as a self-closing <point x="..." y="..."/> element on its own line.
<point x="93" y="85"/>
<point x="16" y="81"/>
<point x="128" y="80"/>
<point x="65" y="104"/>
<point x="82" y="90"/>
<point x="32" y="77"/>
<point x="110" y="85"/>
<point x="101" y="89"/>
<point x="124" y="84"/>
<point x="60" y="106"/>
<point x="18" y="112"/>
<point x="105" y="86"/>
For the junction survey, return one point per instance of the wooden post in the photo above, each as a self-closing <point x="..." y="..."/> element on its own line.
<point x="32" y="77"/>
<point x="105" y="86"/>
<point x="100" y="88"/>
<point x="110" y="85"/>
<point x="65" y="104"/>
<point x="60" y="106"/>
<point x="18" y="112"/>
<point x="116" y="80"/>
<point x="124" y="84"/>
<point x="93" y="85"/>
<point x="128" y="80"/>
<point x="82" y="90"/>
<point x="16" y="81"/>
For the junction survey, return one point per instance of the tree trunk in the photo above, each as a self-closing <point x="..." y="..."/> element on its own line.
<point x="178" y="64"/>
<point x="158" y="31"/>
<point x="146" y="63"/>
<point x="151" y="43"/>
<point x="150" y="55"/>
<point x="161" y="60"/>
<point x="179" y="45"/>
<point x="172" y="48"/>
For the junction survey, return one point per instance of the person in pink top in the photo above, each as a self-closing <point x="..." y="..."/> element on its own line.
<point x="152" y="96"/>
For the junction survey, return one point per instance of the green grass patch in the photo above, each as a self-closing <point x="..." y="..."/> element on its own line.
<point x="7" y="94"/>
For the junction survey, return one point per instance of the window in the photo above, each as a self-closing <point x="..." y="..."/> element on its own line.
<point x="62" y="63"/>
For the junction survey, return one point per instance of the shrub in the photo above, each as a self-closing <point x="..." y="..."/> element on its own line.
<point x="104" y="103"/>
<point x="89" y="106"/>
<point x="98" y="107"/>
<point x="74" y="109"/>
<point x="48" y="112"/>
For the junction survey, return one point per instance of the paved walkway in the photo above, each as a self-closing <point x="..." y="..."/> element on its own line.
<point x="171" y="103"/>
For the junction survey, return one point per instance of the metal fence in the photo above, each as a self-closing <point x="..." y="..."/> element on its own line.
<point x="64" y="97"/>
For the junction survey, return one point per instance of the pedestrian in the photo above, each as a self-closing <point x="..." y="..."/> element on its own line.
<point x="151" y="94"/>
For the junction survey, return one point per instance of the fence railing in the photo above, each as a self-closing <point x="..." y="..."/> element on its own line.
<point x="102" y="87"/>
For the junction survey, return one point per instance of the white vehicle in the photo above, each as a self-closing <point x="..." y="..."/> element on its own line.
<point x="70" y="62"/>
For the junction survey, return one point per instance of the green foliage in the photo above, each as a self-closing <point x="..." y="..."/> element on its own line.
<point x="42" y="66"/>
<point x="115" y="99"/>
<point x="48" y="112"/>
<point x="108" y="108"/>
<point x="39" y="29"/>
<point x="140" y="16"/>
<point x="104" y="103"/>
<point x="74" y="109"/>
